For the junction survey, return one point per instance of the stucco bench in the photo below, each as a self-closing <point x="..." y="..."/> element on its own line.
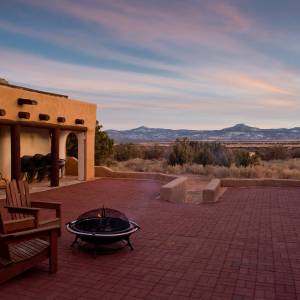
<point x="174" y="191"/>
<point x="211" y="191"/>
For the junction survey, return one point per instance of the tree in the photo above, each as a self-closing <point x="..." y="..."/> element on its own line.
<point x="103" y="145"/>
<point x="244" y="159"/>
<point x="181" y="152"/>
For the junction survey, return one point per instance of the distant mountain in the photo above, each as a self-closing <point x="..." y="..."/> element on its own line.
<point x="239" y="132"/>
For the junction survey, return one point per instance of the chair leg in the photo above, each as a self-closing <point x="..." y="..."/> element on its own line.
<point x="53" y="252"/>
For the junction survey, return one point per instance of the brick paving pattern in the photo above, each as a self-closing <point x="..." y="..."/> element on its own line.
<point x="247" y="246"/>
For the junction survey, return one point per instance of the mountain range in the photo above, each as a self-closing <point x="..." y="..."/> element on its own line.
<point x="239" y="132"/>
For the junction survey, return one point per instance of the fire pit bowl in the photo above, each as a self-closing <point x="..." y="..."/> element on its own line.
<point x="102" y="226"/>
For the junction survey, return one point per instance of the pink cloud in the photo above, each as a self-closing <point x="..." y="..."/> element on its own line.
<point x="152" y="26"/>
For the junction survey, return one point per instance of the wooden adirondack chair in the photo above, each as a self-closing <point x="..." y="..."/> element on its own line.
<point x="22" y="249"/>
<point x="17" y="196"/>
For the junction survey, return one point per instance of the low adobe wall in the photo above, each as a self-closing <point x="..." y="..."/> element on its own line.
<point x="71" y="166"/>
<point x="101" y="171"/>
<point x="174" y="191"/>
<point x="173" y="188"/>
<point x="212" y="191"/>
<point x="263" y="182"/>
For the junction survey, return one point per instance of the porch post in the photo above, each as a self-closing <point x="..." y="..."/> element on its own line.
<point x="54" y="157"/>
<point x="15" y="152"/>
<point x="81" y="155"/>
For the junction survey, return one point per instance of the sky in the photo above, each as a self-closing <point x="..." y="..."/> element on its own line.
<point x="194" y="64"/>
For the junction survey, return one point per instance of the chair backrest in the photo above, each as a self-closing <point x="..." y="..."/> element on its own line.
<point x="17" y="195"/>
<point x="24" y="193"/>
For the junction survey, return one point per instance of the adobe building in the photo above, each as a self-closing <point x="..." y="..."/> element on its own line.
<point x="33" y="121"/>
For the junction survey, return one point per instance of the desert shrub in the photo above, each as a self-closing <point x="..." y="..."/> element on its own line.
<point x="222" y="172"/>
<point x="195" y="169"/>
<point x="271" y="169"/>
<point x="295" y="153"/>
<point x="181" y="152"/>
<point x="153" y="152"/>
<point x="126" y="151"/>
<point x="273" y="153"/>
<point x="203" y="153"/>
<point x="222" y="156"/>
<point x="203" y="157"/>
<point x="244" y="159"/>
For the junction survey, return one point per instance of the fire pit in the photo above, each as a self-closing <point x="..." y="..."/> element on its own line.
<point x="101" y="227"/>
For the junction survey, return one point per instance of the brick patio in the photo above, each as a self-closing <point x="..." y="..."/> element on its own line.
<point x="245" y="247"/>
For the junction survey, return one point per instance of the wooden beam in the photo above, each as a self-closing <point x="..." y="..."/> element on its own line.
<point x="15" y="152"/>
<point x="79" y="121"/>
<point x="36" y="124"/>
<point x="23" y="101"/>
<point x="55" y="157"/>
<point x="24" y="115"/>
<point x="61" y="119"/>
<point x="44" y="117"/>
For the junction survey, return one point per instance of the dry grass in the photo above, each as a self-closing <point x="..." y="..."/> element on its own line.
<point x="283" y="169"/>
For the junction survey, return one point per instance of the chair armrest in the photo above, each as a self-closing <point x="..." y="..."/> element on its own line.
<point x="42" y="204"/>
<point x="28" y="233"/>
<point x="19" y="225"/>
<point x="48" y="205"/>
<point x="23" y="210"/>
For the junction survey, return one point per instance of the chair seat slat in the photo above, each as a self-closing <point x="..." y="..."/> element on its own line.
<point x="23" y="251"/>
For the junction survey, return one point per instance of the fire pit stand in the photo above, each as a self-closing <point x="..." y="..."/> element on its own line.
<point x="102" y="226"/>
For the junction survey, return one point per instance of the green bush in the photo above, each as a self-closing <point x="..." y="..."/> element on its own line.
<point x="181" y="152"/>
<point x="244" y="159"/>
<point x="126" y="151"/>
<point x="273" y="153"/>
<point x="204" y="153"/>
<point x="153" y="152"/>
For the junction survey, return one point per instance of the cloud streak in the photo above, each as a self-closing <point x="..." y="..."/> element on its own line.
<point x="170" y="62"/>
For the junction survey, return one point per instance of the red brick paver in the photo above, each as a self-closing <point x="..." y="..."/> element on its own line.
<point x="247" y="246"/>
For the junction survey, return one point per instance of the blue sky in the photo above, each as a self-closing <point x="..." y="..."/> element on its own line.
<point x="198" y="64"/>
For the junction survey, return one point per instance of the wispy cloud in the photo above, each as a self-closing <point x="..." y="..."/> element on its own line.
<point x="179" y="61"/>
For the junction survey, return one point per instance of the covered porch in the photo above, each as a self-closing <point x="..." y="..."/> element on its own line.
<point x="35" y="122"/>
<point x="52" y="139"/>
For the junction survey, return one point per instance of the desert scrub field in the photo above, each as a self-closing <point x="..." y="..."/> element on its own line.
<point x="283" y="169"/>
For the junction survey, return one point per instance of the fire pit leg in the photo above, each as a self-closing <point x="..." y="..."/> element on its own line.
<point x="75" y="241"/>
<point x="128" y="243"/>
<point x="95" y="251"/>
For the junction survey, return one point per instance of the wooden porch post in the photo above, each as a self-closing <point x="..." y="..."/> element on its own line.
<point x="15" y="152"/>
<point x="55" y="157"/>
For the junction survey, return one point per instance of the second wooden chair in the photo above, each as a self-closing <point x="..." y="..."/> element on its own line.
<point x="17" y="196"/>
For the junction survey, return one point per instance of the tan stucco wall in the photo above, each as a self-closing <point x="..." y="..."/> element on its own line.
<point x="35" y="140"/>
<point x="54" y="106"/>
